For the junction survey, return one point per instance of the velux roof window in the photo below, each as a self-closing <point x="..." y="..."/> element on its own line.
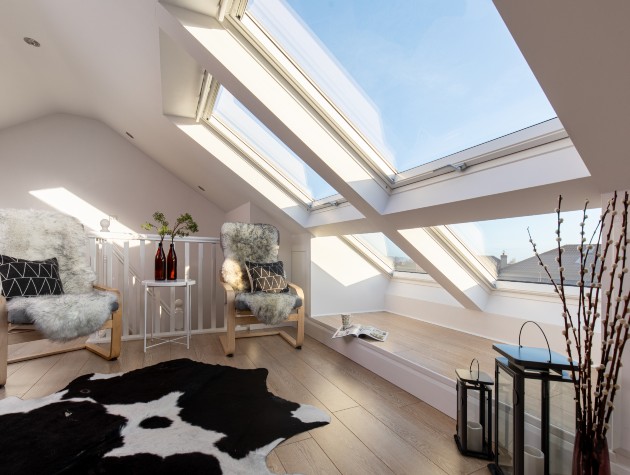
<point x="262" y="147"/>
<point x="418" y="80"/>
<point x="504" y="244"/>
<point x="378" y="246"/>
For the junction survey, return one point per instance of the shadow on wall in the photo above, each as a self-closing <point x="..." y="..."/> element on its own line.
<point x="342" y="280"/>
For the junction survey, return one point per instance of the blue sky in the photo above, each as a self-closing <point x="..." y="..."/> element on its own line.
<point x="441" y="76"/>
<point x="422" y="79"/>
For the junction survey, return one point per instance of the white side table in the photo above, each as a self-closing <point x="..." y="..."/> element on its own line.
<point x="187" y="291"/>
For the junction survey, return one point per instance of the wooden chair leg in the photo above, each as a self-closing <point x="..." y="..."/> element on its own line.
<point x="4" y="341"/>
<point x="299" y="336"/>
<point x="115" y="327"/>
<point x="228" y="341"/>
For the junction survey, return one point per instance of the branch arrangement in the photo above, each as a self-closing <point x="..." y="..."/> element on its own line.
<point x="184" y="226"/>
<point x="603" y="269"/>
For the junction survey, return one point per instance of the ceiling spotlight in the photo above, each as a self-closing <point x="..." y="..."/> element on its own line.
<point x="32" y="42"/>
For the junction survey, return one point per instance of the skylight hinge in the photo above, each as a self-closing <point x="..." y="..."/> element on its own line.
<point x="207" y="96"/>
<point x="460" y="167"/>
<point x="224" y="5"/>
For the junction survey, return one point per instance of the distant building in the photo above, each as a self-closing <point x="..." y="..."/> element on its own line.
<point x="529" y="270"/>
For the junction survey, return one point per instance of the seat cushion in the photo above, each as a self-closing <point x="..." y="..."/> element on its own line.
<point x="240" y="305"/>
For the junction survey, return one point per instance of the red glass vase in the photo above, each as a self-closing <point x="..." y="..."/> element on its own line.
<point x="160" y="263"/>
<point x="590" y="457"/>
<point x="171" y="264"/>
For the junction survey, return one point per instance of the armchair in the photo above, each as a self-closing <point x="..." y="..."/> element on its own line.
<point x="255" y="287"/>
<point x="48" y="301"/>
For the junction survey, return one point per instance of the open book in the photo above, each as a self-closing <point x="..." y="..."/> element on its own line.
<point x="360" y="330"/>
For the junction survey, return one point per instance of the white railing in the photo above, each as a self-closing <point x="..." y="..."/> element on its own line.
<point x="123" y="261"/>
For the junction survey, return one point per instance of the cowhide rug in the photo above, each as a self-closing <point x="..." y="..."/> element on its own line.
<point x="177" y="417"/>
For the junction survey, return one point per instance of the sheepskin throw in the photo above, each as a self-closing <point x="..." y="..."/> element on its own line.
<point x="242" y="242"/>
<point x="40" y="235"/>
<point x="270" y="308"/>
<point x="246" y="242"/>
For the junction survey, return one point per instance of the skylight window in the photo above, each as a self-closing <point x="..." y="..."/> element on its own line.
<point x="504" y="244"/>
<point x="271" y="154"/>
<point x="388" y="252"/>
<point x="419" y="81"/>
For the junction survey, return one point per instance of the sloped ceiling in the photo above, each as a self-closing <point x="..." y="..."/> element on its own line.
<point x="101" y="59"/>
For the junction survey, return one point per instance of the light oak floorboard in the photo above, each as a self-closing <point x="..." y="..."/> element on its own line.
<point x="399" y="456"/>
<point x="274" y="464"/>
<point x="305" y="453"/>
<point x="376" y="428"/>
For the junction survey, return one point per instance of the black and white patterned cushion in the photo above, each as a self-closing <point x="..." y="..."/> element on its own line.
<point x="22" y="278"/>
<point x="267" y="277"/>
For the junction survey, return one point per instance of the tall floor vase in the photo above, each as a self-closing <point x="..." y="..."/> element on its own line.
<point x="590" y="457"/>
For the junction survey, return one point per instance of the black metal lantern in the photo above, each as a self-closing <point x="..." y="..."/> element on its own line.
<point x="534" y="411"/>
<point x="474" y="412"/>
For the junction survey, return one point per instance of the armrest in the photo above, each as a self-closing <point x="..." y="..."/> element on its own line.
<point x="227" y="287"/>
<point x="106" y="289"/>
<point x="4" y="340"/>
<point x="298" y="290"/>
<point x="4" y="314"/>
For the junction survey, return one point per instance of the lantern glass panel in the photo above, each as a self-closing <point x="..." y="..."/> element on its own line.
<point x="562" y="430"/>
<point x="533" y="404"/>
<point x="505" y="420"/>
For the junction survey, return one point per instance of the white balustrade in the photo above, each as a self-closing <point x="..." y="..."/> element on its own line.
<point x="123" y="261"/>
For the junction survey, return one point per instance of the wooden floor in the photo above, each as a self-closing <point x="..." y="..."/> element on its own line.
<point x="434" y="347"/>
<point x="376" y="427"/>
<point x="443" y="350"/>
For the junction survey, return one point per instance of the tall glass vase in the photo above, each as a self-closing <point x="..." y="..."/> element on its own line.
<point x="160" y="263"/>
<point x="590" y="457"/>
<point x="171" y="264"/>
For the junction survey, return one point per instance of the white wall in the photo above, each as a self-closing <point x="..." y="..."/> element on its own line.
<point x="502" y="320"/>
<point x="342" y="280"/>
<point x="98" y="165"/>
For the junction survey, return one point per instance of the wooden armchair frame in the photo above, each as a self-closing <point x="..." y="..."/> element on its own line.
<point x="236" y="317"/>
<point x="39" y="346"/>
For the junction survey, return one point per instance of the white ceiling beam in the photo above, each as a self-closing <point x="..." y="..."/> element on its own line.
<point x="272" y="100"/>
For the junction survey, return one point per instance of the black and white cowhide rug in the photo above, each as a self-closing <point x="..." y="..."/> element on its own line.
<point x="179" y="416"/>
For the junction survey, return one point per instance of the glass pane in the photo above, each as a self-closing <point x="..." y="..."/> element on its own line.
<point x="420" y="79"/>
<point x="562" y="415"/>
<point x="242" y="122"/>
<point x="505" y="421"/>
<point x="389" y="252"/>
<point x="504" y="244"/>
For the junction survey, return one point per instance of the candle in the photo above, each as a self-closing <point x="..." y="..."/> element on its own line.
<point x="534" y="461"/>
<point x="473" y="436"/>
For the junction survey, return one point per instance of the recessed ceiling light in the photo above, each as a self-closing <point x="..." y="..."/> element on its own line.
<point x="201" y="188"/>
<point x="32" y="42"/>
<point x="129" y="135"/>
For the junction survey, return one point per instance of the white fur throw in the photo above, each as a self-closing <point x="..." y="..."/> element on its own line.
<point x="246" y="241"/>
<point x="40" y="234"/>
<point x="268" y="308"/>
<point x="68" y="316"/>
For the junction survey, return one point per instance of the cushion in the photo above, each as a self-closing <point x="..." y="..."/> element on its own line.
<point x="24" y="278"/>
<point x="266" y="277"/>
